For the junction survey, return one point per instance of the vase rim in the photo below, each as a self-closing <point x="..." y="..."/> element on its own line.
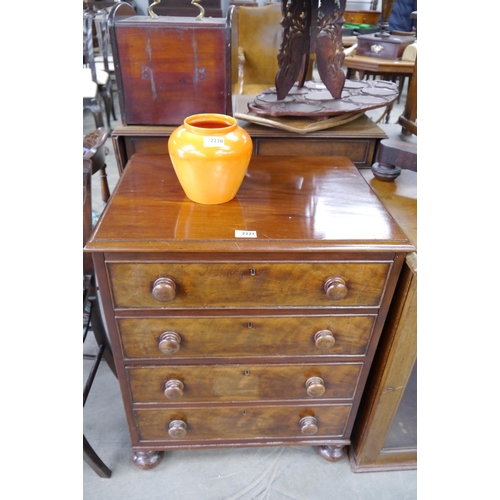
<point x="227" y="123"/>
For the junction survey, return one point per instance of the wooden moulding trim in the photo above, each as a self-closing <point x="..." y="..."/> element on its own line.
<point x="248" y="442"/>
<point x="244" y="257"/>
<point x="271" y="311"/>
<point x="234" y="247"/>
<point x="352" y="130"/>
<point x="396" y="463"/>
<point x="275" y="359"/>
<point x="169" y="405"/>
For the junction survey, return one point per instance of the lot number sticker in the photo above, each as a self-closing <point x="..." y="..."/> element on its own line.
<point x="213" y="141"/>
<point x="245" y="234"/>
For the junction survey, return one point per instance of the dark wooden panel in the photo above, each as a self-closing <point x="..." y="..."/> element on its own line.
<point x="172" y="67"/>
<point x="156" y="146"/>
<point x="358" y="151"/>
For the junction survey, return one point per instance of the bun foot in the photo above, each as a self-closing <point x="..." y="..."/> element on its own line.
<point x="332" y="453"/>
<point x="146" y="460"/>
<point x="392" y="156"/>
<point x="385" y="173"/>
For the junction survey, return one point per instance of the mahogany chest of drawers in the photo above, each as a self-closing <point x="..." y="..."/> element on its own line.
<point x="249" y="323"/>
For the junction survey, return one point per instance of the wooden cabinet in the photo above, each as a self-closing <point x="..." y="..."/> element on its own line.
<point x="385" y="432"/>
<point x="168" y="68"/>
<point x="358" y="140"/>
<point x="385" y="48"/>
<point x="222" y="341"/>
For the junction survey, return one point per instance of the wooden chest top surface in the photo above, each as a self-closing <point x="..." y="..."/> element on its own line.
<point x="292" y="203"/>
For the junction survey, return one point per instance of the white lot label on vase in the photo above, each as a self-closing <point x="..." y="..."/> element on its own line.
<point x="213" y="141"/>
<point x="245" y="234"/>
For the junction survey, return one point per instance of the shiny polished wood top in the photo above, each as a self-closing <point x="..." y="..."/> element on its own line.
<point x="400" y="198"/>
<point x="308" y="204"/>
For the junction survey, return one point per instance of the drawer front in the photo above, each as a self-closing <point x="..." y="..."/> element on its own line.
<point x="358" y="151"/>
<point x="157" y="146"/>
<point x="362" y="17"/>
<point x="241" y="423"/>
<point x="246" y="336"/>
<point x="232" y="383"/>
<point x="232" y="285"/>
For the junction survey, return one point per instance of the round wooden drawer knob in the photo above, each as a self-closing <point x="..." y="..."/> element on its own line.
<point x="308" y="426"/>
<point x="163" y="289"/>
<point x="177" y="429"/>
<point x="315" y="386"/>
<point x="335" y="288"/>
<point x="324" y="339"/>
<point x="173" y="389"/>
<point x="169" y="342"/>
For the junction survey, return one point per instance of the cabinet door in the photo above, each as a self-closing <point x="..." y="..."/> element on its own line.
<point x="384" y="435"/>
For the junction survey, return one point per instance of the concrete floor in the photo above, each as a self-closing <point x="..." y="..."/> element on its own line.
<point x="266" y="473"/>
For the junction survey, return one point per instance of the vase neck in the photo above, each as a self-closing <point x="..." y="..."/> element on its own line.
<point x="210" y="123"/>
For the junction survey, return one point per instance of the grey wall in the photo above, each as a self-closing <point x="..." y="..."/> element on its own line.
<point x="142" y="7"/>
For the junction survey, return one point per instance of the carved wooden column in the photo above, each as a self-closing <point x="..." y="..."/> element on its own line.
<point x="309" y="29"/>
<point x="384" y="21"/>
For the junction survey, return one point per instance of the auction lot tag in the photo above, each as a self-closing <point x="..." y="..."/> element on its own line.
<point x="245" y="234"/>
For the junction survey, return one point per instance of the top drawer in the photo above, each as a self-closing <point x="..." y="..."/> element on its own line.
<point x="246" y="284"/>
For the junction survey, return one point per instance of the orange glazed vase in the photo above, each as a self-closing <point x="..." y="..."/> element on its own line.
<point x="210" y="153"/>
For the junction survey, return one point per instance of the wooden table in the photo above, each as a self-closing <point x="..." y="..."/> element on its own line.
<point x="386" y="68"/>
<point x="378" y="66"/>
<point x="358" y="140"/>
<point x="225" y="340"/>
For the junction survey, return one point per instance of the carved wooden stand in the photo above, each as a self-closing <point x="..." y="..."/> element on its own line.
<point x="310" y="29"/>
